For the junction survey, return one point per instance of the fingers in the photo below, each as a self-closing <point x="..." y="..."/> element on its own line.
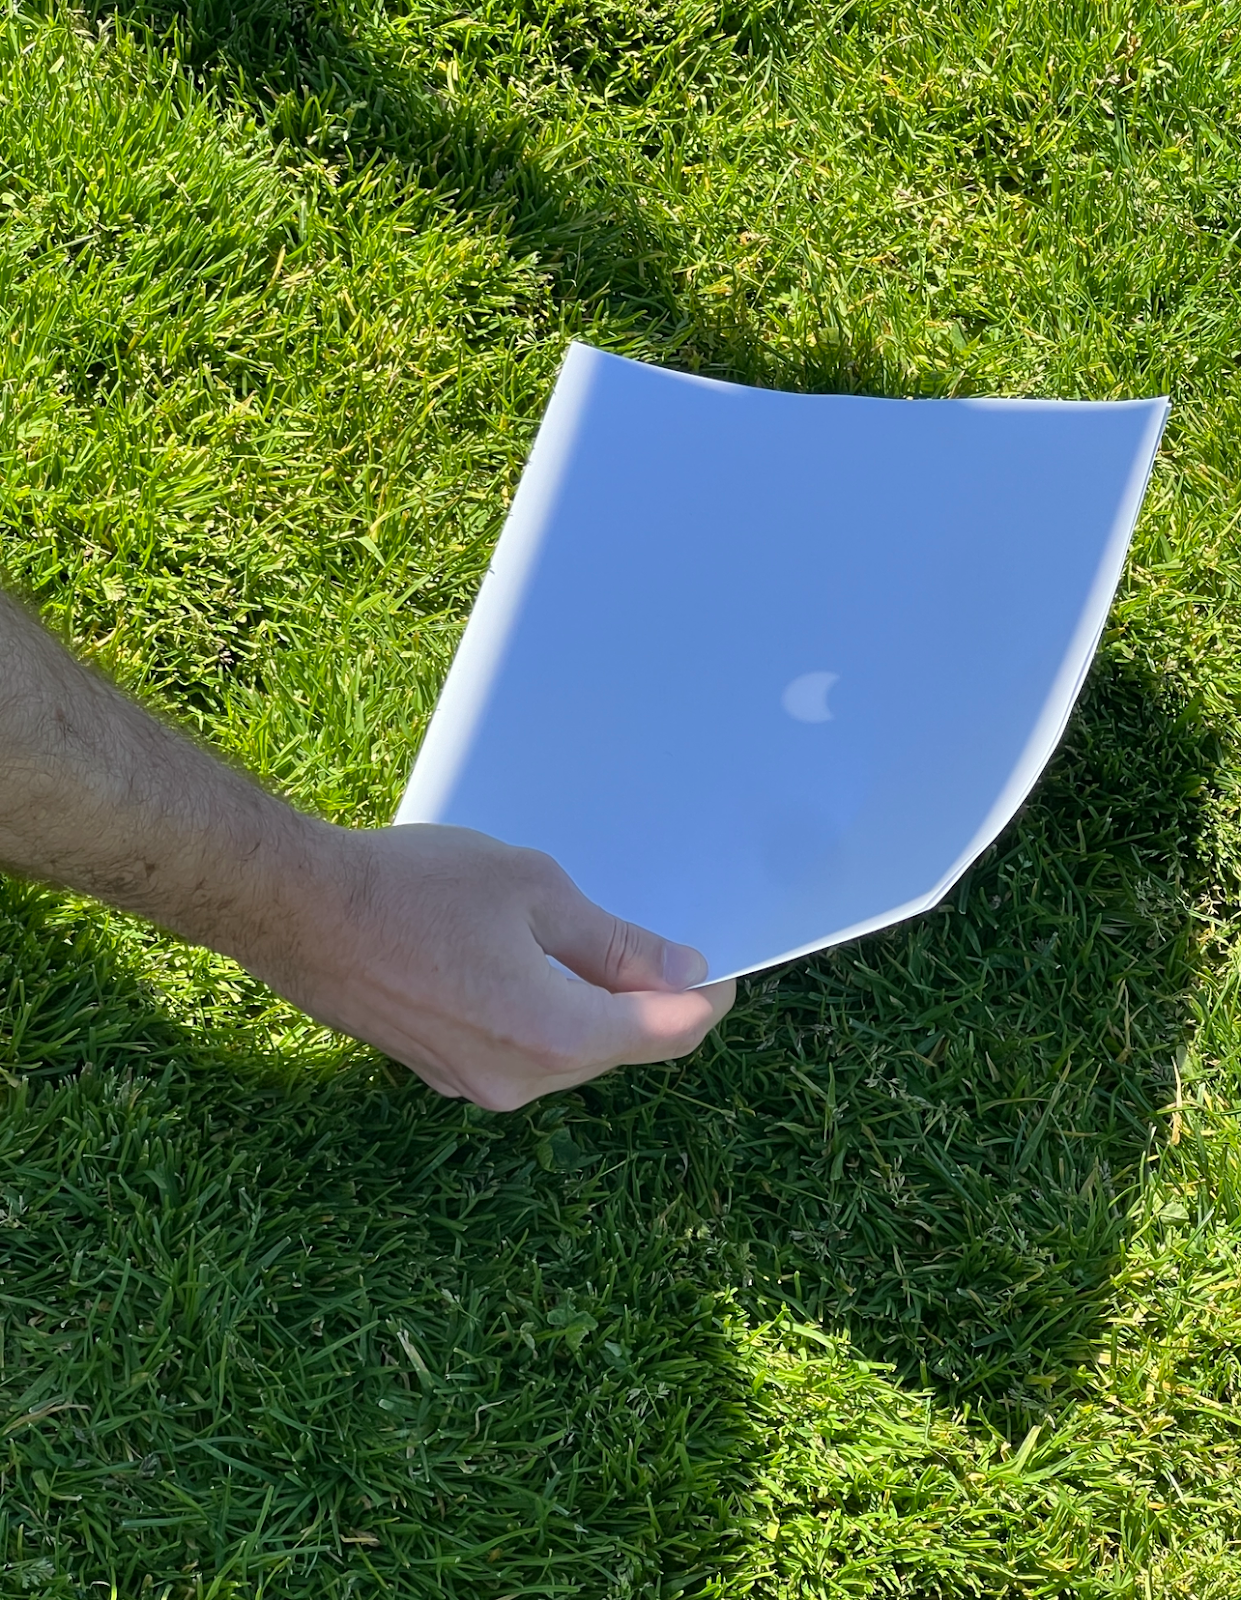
<point x="602" y="1030"/>
<point x="605" y="950"/>
<point x="583" y="1032"/>
<point x="608" y="1031"/>
<point x="577" y="1033"/>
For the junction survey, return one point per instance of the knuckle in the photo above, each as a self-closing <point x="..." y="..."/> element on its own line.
<point x="546" y="882"/>
<point x="623" y="952"/>
<point x="541" y="868"/>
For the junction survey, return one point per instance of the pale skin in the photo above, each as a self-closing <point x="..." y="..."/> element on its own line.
<point x="430" y="943"/>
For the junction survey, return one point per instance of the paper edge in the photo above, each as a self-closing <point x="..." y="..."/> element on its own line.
<point x="471" y="676"/>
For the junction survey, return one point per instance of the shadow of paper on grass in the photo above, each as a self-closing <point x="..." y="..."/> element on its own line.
<point x="931" y="1138"/>
<point x="319" y="1330"/>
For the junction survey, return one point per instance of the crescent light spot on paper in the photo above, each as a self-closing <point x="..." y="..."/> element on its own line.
<point x="805" y="699"/>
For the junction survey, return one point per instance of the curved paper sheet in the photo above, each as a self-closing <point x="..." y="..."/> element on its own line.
<point x="767" y="671"/>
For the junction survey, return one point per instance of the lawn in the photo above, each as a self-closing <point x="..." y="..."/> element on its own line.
<point x="923" y="1277"/>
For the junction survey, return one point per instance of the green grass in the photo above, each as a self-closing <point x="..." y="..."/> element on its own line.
<point x="923" y="1277"/>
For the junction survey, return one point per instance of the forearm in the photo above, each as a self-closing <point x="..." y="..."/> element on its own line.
<point x="100" y="797"/>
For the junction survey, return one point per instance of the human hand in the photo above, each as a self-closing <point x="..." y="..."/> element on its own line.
<point x="431" y="943"/>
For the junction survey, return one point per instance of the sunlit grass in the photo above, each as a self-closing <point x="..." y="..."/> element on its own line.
<point x="924" y="1276"/>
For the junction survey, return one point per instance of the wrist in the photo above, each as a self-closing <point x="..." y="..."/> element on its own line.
<point x="256" y="879"/>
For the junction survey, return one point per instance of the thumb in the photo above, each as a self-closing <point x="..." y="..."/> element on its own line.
<point x="607" y="951"/>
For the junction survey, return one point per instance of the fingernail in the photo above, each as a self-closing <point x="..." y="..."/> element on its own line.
<point x="683" y="966"/>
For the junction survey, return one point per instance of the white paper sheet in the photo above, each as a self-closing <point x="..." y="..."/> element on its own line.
<point x="767" y="671"/>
